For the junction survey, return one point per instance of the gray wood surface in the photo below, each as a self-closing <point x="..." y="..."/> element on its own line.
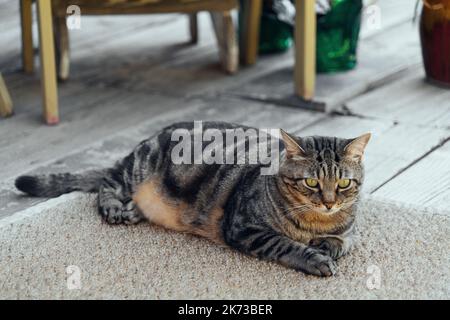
<point x="409" y="100"/>
<point x="426" y="183"/>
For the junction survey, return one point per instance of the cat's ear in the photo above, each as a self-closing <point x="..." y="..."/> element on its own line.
<point x="355" y="148"/>
<point x="293" y="149"/>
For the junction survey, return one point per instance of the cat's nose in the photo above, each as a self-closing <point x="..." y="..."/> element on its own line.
<point x="329" y="205"/>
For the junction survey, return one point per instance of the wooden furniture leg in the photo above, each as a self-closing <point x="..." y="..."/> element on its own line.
<point x="26" y="18"/>
<point x="62" y="47"/>
<point x="193" y="27"/>
<point x="251" y="11"/>
<point x="47" y="57"/>
<point x="5" y="100"/>
<point x="305" y="49"/>
<point x="226" y="40"/>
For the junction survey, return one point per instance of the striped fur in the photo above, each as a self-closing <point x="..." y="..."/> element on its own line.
<point x="277" y="217"/>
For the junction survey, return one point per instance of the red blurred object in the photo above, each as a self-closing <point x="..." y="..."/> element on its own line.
<point x="435" y="39"/>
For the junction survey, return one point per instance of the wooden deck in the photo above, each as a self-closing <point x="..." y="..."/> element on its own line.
<point x="131" y="75"/>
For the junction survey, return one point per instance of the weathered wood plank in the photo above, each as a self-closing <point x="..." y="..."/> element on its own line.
<point x="409" y="100"/>
<point x="426" y="183"/>
<point x="83" y="125"/>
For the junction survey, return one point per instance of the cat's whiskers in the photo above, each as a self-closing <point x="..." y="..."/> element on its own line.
<point x="347" y="204"/>
<point x="297" y="209"/>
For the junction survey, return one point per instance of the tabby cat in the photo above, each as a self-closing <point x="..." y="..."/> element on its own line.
<point x="302" y="217"/>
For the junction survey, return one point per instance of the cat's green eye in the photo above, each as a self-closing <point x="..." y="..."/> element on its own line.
<point x="312" y="183"/>
<point x="344" y="183"/>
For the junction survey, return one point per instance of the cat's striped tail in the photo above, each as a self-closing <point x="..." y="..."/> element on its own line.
<point x="54" y="185"/>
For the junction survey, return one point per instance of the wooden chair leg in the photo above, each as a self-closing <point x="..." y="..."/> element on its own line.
<point x="251" y="11"/>
<point x="5" y="100"/>
<point x="193" y="27"/>
<point x="47" y="57"/>
<point x="62" y="47"/>
<point x="26" y="17"/>
<point x="305" y="49"/>
<point x="226" y="40"/>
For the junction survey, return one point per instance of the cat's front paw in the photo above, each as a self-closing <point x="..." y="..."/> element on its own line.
<point x="115" y="212"/>
<point x="318" y="263"/>
<point x="111" y="211"/>
<point x="333" y="247"/>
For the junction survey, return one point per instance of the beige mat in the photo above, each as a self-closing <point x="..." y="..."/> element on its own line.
<point x="402" y="253"/>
